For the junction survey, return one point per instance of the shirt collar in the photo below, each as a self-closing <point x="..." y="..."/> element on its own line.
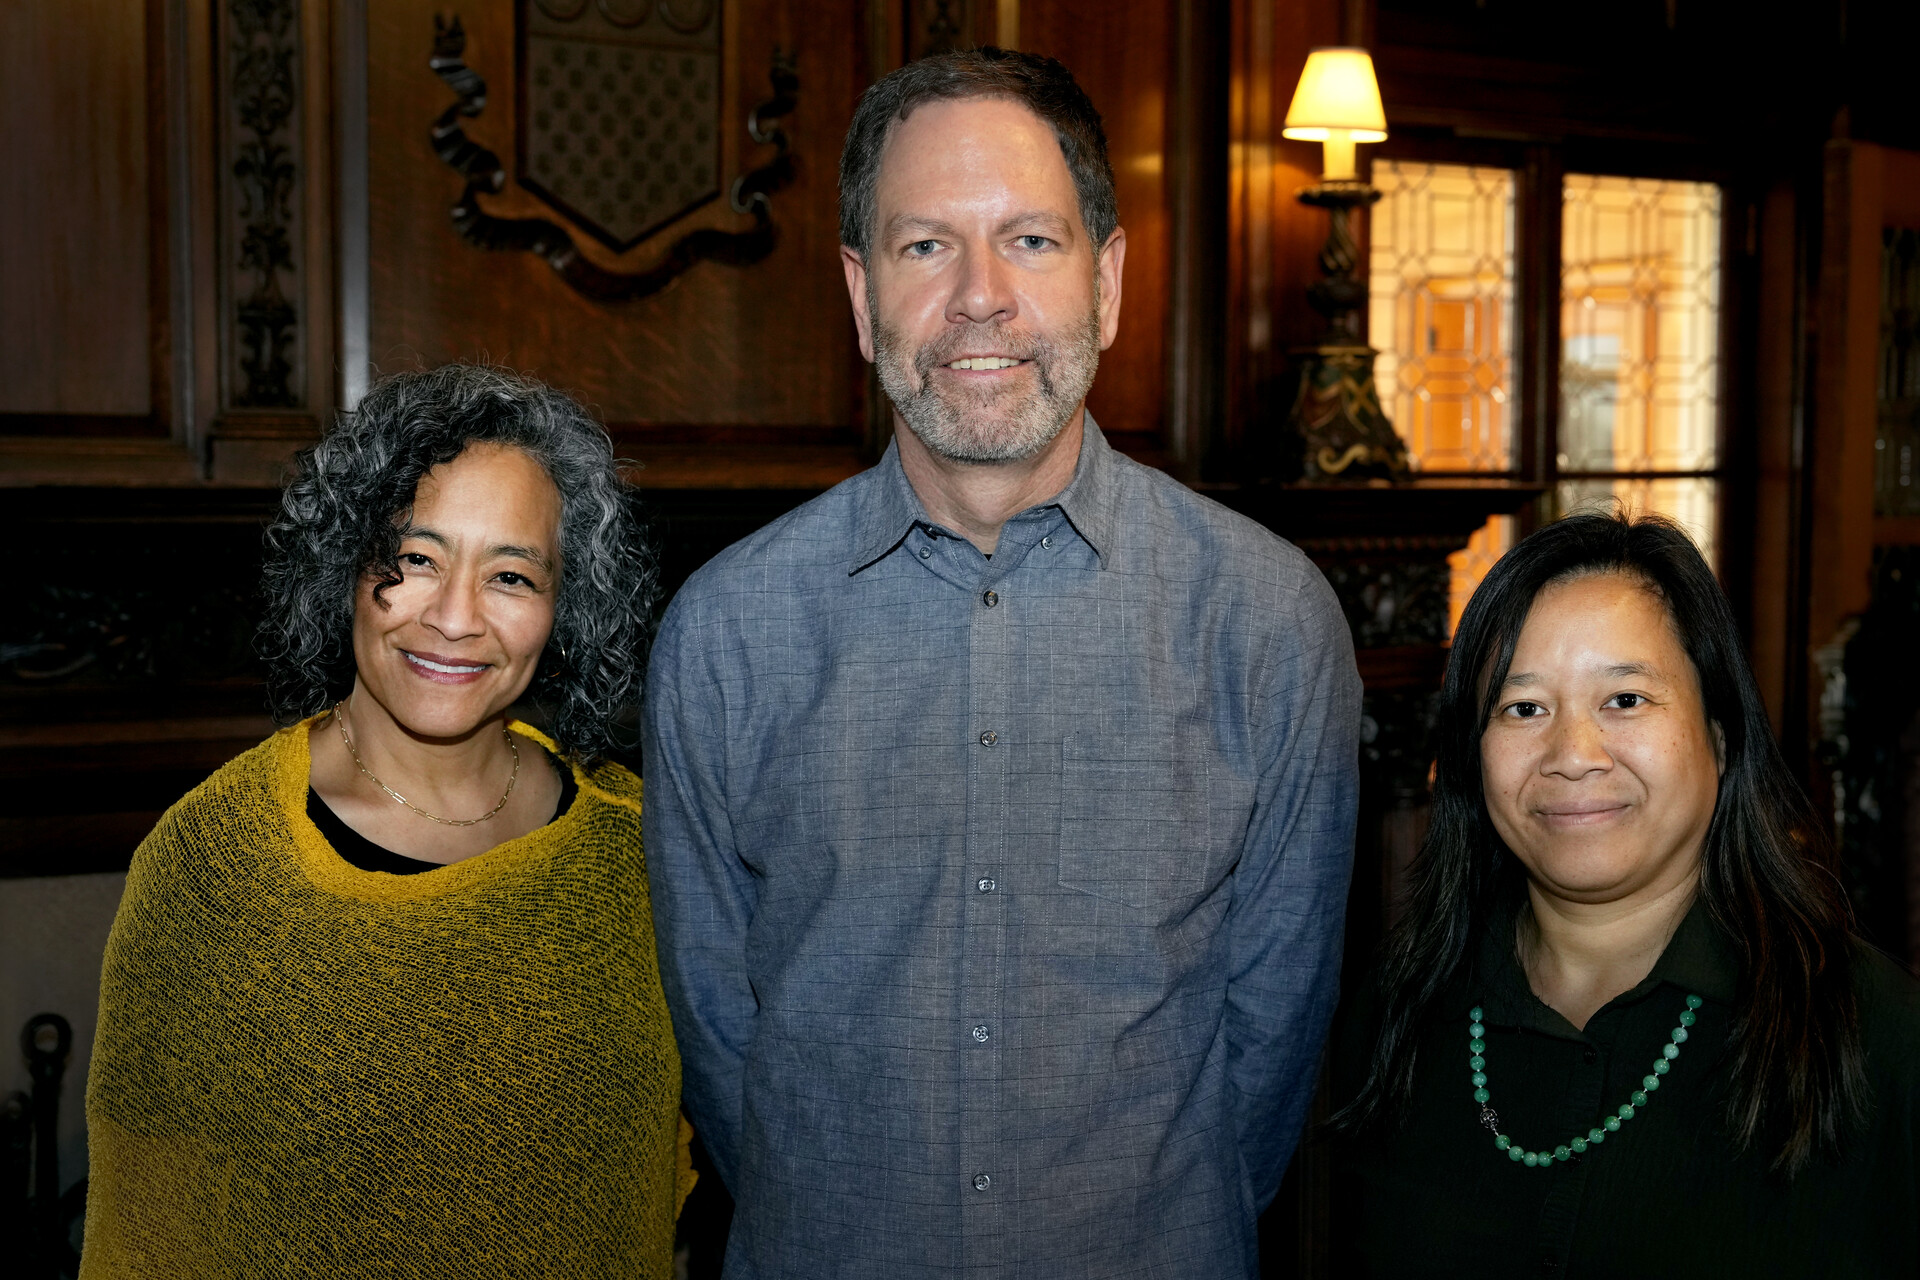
<point x="1090" y="502"/>
<point x="1700" y="960"/>
<point x="892" y="508"/>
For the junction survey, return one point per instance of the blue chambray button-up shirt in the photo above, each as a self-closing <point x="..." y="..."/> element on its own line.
<point x="999" y="899"/>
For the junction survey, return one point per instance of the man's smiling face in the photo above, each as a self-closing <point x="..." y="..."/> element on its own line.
<point x="982" y="303"/>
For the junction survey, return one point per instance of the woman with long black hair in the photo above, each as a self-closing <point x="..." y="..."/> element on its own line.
<point x="1622" y="1027"/>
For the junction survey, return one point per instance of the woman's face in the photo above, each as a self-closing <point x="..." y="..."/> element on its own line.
<point x="457" y="639"/>
<point x="1599" y="765"/>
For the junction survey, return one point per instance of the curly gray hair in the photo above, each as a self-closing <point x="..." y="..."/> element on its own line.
<point x="351" y="494"/>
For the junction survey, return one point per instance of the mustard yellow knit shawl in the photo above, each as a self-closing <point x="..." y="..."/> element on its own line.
<point x="305" y="1069"/>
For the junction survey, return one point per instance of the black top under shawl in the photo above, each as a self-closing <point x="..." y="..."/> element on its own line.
<point x="363" y="853"/>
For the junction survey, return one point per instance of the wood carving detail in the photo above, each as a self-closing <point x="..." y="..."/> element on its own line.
<point x="617" y="114"/>
<point x="119" y="630"/>
<point x="945" y="25"/>
<point x="751" y="193"/>
<point x="263" y="170"/>
<point x="1392" y="601"/>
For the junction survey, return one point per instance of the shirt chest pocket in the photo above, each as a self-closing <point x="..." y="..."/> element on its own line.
<point x="1143" y="819"/>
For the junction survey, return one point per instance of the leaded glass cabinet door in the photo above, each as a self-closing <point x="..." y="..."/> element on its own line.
<point x="1441" y="314"/>
<point x="1640" y="285"/>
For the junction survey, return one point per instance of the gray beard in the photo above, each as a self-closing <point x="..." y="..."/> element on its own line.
<point x="988" y="426"/>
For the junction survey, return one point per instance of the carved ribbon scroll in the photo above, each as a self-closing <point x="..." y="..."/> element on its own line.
<point x="751" y="193"/>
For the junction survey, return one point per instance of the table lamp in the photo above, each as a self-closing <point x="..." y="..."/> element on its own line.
<point x="1336" y="419"/>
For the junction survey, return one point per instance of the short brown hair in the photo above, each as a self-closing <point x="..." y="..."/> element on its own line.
<point x="1042" y="85"/>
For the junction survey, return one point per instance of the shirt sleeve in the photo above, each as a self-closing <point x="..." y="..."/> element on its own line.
<point x="1290" y="891"/>
<point x="703" y="894"/>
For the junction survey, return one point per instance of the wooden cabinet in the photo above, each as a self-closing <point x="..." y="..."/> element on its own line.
<point x="167" y="300"/>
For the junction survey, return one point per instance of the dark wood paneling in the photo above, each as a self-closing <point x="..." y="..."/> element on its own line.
<point x="769" y="345"/>
<point x="940" y="26"/>
<point x="1122" y="55"/>
<point x="93" y="425"/>
<point x="1273" y="240"/>
<point x="75" y="291"/>
<point x="1700" y="68"/>
<point x="1418" y="515"/>
<point x="1197" y="166"/>
<point x="1686" y="69"/>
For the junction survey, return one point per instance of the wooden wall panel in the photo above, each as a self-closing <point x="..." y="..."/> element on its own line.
<point x="764" y="352"/>
<point x="1274" y="240"/>
<point x="1122" y="55"/>
<point x="1776" y="558"/>
<point x="1846" y="412"/>
<point x="74" y="289"/>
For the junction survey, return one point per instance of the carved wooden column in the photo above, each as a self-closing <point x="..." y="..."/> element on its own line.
<point x="273" y="231"/>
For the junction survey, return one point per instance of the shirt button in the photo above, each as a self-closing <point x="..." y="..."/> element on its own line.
<point x="981" y="1182"/>
<point x="986" y="885"/>
<point x="926" y="552"/>
<point x="990" y="599"/>
<point x="1047" y="541"/>
<point x="1591" y="1057"/>
<point x="988" y="738"/>
<point x="980" y="1033"/>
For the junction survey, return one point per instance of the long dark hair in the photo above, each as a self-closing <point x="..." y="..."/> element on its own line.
<point x="342" y="513"/>
<point x="1798" y="1083"/>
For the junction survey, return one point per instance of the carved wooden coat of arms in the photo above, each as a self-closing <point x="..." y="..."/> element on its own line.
<point x="619" y="112"/>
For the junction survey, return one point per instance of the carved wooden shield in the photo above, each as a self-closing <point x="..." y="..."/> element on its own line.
<point x="618" y="106"/>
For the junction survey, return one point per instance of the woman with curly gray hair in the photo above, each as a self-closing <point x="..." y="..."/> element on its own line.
<point x="382" y="998"/>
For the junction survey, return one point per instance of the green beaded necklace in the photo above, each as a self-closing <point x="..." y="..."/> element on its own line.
<point x="1596" y="1135"/>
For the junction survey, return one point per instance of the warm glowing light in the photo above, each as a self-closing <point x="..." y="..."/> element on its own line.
<point x="1337" y="104"/>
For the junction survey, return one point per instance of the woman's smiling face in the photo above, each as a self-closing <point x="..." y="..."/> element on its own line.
<point x="1599" y="765"/>
<point x="457" y="640"/>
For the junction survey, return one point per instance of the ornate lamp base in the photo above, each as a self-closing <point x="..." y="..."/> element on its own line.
<point x="1336" y="419"/>
<point x="1336" y="429"/>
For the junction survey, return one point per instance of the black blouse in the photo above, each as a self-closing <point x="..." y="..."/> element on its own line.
<point x="363" y="853"/>
<point x="1666" y="1195"/>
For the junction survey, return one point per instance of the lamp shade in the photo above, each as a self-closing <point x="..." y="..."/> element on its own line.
<point x="1337" y="92"/>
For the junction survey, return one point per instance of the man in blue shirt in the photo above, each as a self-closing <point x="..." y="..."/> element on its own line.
<point x="999" y="801"/>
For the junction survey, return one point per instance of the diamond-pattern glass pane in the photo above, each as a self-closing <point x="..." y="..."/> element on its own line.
<point x="1441" y="311"/>
<point x="1691" y="501"/>
<point x="1639" y="325"/>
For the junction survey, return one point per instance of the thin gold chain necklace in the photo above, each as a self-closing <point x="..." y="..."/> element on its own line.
<point x="339" y="718"/>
